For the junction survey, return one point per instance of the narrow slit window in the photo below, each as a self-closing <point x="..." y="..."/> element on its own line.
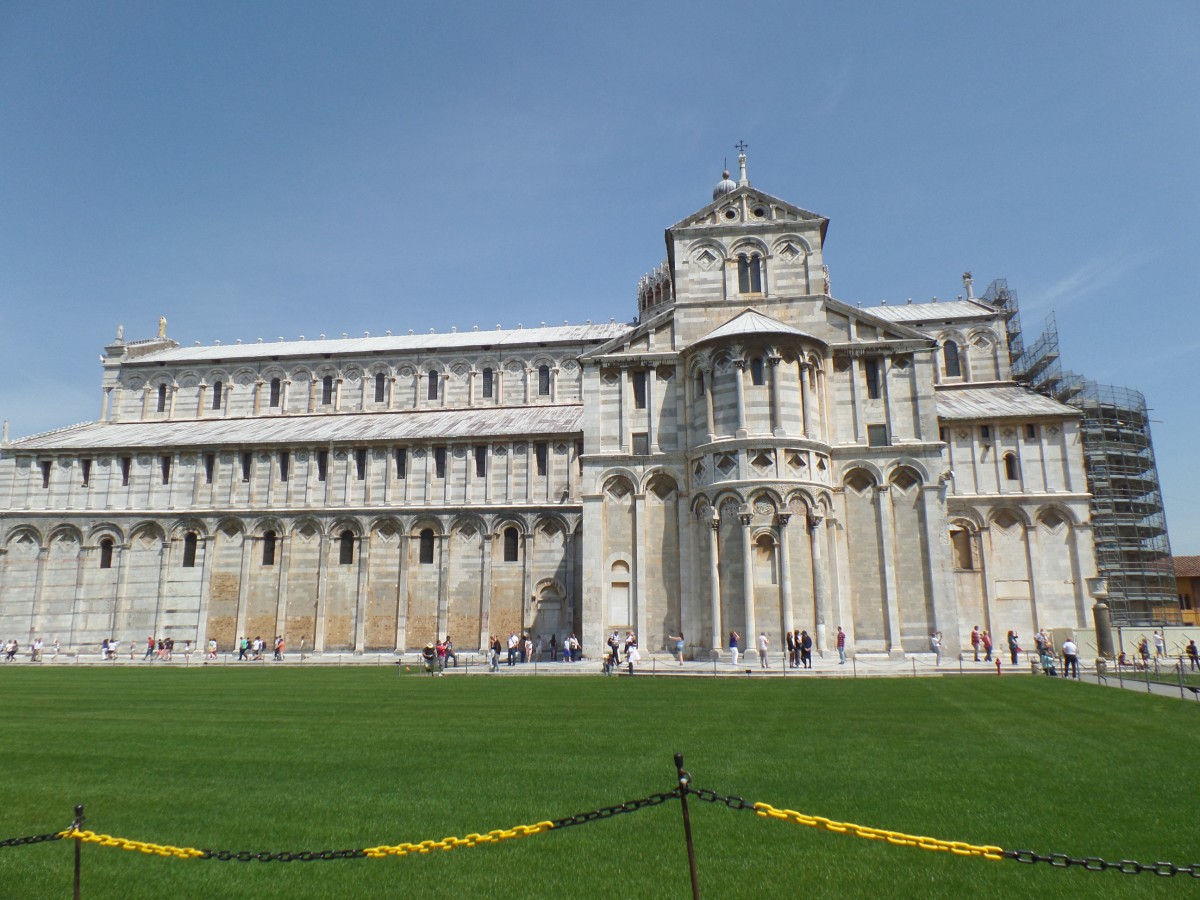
<point x="268" y="555"/>
<point x="189" y="550"/>
<point x="162" y="398"/>
<point x="276" y="393"/>
<point x="1031" y="432"/>
<point x="360" y="463"/>
<point x="380" y="387"/>
<point x="950" y="358"/>
<point x="126" y="465"/>
<point x="210" y="464"/>
<point x="106" y="553"/>
<point x="757" y="376"/>
<point x="86" y="471"/>
<point x="481" y="462"/>
<point x="247" y="464"/>
<point x="512" y="544"/>
<point x="1012" y="470"/>
<point x="426" y="547"/>
<point x="871" y="374"/>
<point x="164" y="464"/>
<point x="401" y="462"/>
<point x="218" y="394"/>
<point x="439" y="461"/>
<point x="960" y="540"/>
<point x="432" y="393"/>
<point x="327" y="390"/>
<point x="488" y="383"/>
<point x="699" y="384"/>
<point x="285" y="465"/>
<point x="322" y="465"/>
<point x="543" y="381"/>
<point x="540" y="452"/>
<point x="346" y="548"/>
<point x="639" y="389"/>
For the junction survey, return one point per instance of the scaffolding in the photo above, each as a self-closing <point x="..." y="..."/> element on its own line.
<point x="1129" y="523"/>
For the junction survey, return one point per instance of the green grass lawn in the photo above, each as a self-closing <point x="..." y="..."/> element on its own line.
<point x="313" y="759"/>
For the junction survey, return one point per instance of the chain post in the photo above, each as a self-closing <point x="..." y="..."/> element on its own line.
<point x="685" y="781"/>
<point x="77" y="826"/>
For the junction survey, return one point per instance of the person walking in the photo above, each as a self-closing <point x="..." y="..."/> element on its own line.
<point x="494" y="654"/>
<point x="986" y="640"/>
<point x="841" y="646"/>
<point x="763" y="643"/>
<point x="1193" y="656"/>
<point x="1014" y="646"/>
<point x="734" y="637"/>
<point x="149" y="649"/>
<point x="1070" y="658"/>
<point x="975" y="639"/>
<point x="678" y="639"/>
<point x="935" y="644"/>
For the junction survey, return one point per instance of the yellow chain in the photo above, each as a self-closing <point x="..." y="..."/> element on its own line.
<point x="450" y="843"/>
<point x="960" y="848"/>
<point x="107" y="840"/>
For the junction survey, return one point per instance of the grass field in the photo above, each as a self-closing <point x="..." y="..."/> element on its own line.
<point x="338" y="758"/>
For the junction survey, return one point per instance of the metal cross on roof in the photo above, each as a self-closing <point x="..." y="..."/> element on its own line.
<point x="741" y="146"/>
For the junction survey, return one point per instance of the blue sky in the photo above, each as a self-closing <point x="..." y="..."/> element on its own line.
<point x="275" y="169"/>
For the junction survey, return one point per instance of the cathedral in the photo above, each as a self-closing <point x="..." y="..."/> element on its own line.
<point x="748" y="455"/>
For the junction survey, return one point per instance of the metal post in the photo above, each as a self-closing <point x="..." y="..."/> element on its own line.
<point x="684" y="786"/>
<point x="854" y="663"/>
<point x="1147" y="671"/>
<point x="77" y="825"/>
<point x="1179" y="669"/>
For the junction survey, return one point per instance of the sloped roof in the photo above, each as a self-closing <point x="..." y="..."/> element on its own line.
<point x="313" y="429"/>
<point x="1000" y="400"/>
<point x="512" y="337"/>
<point x="1187" y="566"/>
<point x="695" y="219"/>
<point x="751" y="321"/>
<point x="933" y="312"/>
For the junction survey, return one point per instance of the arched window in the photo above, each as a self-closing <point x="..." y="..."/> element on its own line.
<point x="268" y="557"/>
<point x="218" y="394"/>
<point x="106" y="553"/>
<point x="433" y="384"/>
<point x="487" y="383"/>
<point x="950" y="358"/>
<point x="162" y="398"/>
<point x="327" y="390"/>
<point x="512" y="544"/>
<point x="346" y="548"/>
<point x="749" y="273"/>
<point x="1012" y="470"/>
<point x="276" y="390"/>
<point x="189" y="550"/>
<point x="699" y="384"/>
<point x="426" y="548"/>
<point x="380" y="387"/>
<point x="543" y="381"/>
<point x="961" y="546"/>
<point x="757" y="375"/>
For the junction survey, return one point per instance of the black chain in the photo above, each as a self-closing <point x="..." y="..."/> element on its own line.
<point x="733" y="802"/>
<point x="285" y="856"/>
<point x="1096" y="864"/>
<point x="607" y="812"/>
<point x="35" y="839"/>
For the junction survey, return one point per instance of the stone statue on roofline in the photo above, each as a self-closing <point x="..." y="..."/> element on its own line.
<point x="162" y="326"/>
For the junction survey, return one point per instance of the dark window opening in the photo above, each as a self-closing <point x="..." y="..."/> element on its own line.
<point x="871" y="373"/>
<point x="950" y="357"/>
<point x="322" y="464"/>
<point x="1031" y="432"/>
<point x="543" y="381"/>
<point x="401" y="462"/>
<point x="210" y="463"/>
<point x="45" y="466"/>
<point x="877" y="436"/>
<point x="126" y="463"/>
<point x="960" y="541"/>
<point x="276" y="392"/>
<point x="512" y="544"/>
<point x="106" y="553"/>
<point x="164" y="463"/>
<point x="1011" y="469"/>
<point x="426" y="547"/>
<point x="346" y="548"/>
<point x="641" y="444"/>
<point x="985" y="432"/>
<point x="539" y="452"/>
<point x="433" y="385"/>
<point x="189" y="550"/>
<point x="360" y="463"/>
<point x="162" y="398"/>
<point x="268" y="557"/>
<point x="247" y="462"/>
<point x="327" y="390"/>
<point x="749" y="273"/>
<point x="218" y="394"/>
<point x="639" y="390"/>
<point x="487" y="383"/>
<point x="757" y="376"/>
<point x="380" y="387"/>
<point x="942" y="435"/>
<point x="481" y="462"/>
<point x="439" y="461"/>
<point x="285" y="465"/>
<point x="699" y="384"/>
<point x="86" y="471"/>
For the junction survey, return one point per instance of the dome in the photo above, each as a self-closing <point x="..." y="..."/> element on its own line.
<point x="724" y="186"/>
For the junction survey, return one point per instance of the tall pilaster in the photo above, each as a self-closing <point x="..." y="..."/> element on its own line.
<point x="785" y="572"/>
<point x="749" y="640"/>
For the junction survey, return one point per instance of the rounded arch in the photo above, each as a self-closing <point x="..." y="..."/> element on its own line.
<point x="618" y="480"/>
<point x="245" y="376"/>
<point x="103" y="530"/>
<point x="659" y="477"/>
<point x="183" y="525"/>
<point x="212" y="376"/>
<point x="971" y="519"/>
<point x="64" y="532"/>
<point x="1015" y="512"/>
<point x="976" y="335"/>
<point x="468" y="520"/>
<point x="306" y="525"/>
<point x="771" y="495"/>
<point x="421" y="523"/>
<point x="748" y="244"/>
<point x="555" y="519"/>
<point x="21" y="533"/>
<point x="267" y="523"/>
<point x="147" y="528"/>
<point x="345" y="523"/>
<point x="871" y="469"/>
<point x="695" y="251"/>
<point x="301" y="373"/>
<point x="919" y="469"/>
<point x="798" y="241"/>
<point x="188" y="378"/>
<point x="1059" y="510"/>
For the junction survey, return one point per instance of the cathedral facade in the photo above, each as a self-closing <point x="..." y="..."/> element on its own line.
<point x="750" y="454"/>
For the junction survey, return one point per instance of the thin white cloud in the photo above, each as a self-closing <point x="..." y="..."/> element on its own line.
<point x="1092" y="277"/>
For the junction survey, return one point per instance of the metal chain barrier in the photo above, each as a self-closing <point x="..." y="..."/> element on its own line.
<point x="33" y="839"/>
<point x="607" y="812"/>
<point x="1096" y="864"/>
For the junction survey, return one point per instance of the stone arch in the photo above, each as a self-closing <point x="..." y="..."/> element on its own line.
<point x="345" y="523"/>
<point x="183" y="525"/>
<point x="747" y="244"/>
<point x="1001" y="514"/>
<point x="920" y="470"/>
<point x="660" y="477"/>
<point x="64" y="531"/>
<point x="147" y="528"/>
<point x="188" y="378"/>
<point x="800" y="242"/>
<point x="268" y="523"/>
<point x="106" y="530"/>
<point x="217" y="374"/>
<point x="618" y="482"/>
<point x="859" y="477"/>
<point x="301" y="373"/>
<point x="905" y="478"/>
<point x="307" y="526"/>
<point x="1059" y="511"/>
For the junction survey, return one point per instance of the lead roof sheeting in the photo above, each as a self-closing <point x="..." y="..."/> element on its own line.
<point x="559" y="334"/>
<point x="1001" y="401"/>
<point x="933" y="312"/>
<point x="751" y="322"/>
<point x="318" y="429"/>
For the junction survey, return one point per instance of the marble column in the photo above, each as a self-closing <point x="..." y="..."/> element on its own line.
<point x="776" y="405"/>
<point x="887" y="547"/>
<point x="785" y="572"/>
<point x="750" y="638"/>
<point x="816" y="541"/>
<point x="739" y="369"/>
<point x="714" y="578"/>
